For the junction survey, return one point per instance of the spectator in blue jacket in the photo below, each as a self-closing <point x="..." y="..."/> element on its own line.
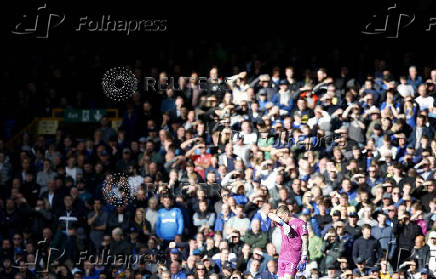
<point x="262" y="216"/>
<point x="283" y="98"/>
<point x="176" y="271"/>
<point x="223" y="217"/>
<point x="169" y="220"/>
<point x="384" y="235"/>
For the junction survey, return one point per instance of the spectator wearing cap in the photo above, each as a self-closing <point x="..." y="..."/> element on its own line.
<point x="263" y="100"/>
<point x="361" y="268"/>
<point x="351" y="225"/>
<point x="424" y="272"/>
<point x="384" y="236"/>
<point x="386" y="200"/>
<point x="306" y="215"/>
<point x="374" y="271"/>
<point x="255" y="237"/>
<point x="226" y="271"/>
<point x="367" y="247"/>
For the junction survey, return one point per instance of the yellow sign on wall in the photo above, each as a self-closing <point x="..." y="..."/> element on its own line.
<point x="47" y="127"/>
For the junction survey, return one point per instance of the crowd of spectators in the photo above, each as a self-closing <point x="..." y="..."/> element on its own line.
<point x="207" y="161"/>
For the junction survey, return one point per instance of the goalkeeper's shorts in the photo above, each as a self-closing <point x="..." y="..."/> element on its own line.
<point x="287" y="267"/>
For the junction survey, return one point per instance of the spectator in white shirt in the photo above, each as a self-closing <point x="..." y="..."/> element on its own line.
<point x="424" y="101"/>
<point x="405" y="89"/>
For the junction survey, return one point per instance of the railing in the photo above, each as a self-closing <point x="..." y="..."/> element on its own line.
<point x="16" y="139"/>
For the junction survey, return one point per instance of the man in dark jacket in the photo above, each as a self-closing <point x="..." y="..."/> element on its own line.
<point x="119" y="246"/>
<point x="367" y="247"/>
<point x="235" y="242"/>
<point x="421" y="252"/>
<point x="407" y="231"/>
